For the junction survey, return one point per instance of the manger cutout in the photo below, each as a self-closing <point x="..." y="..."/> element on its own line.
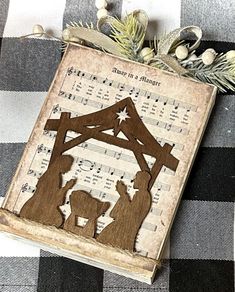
<point x="83" y="205"/>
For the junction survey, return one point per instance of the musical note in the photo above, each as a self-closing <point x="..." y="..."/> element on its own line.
<point x="40" y="148"/>
<point x="121" y="87"/>
<point x="117" y="155"/>
<point x="168" y="127"/>
<point x="34" y="173"/>
<point x="137" y="93"/>
<point x="176" y="105"/>
<point x="131" y="90"/>
<point x="84" y="101"/>
<point x="43" y="149"/>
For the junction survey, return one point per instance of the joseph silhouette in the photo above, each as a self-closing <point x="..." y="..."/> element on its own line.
<point x="128" y="214"/>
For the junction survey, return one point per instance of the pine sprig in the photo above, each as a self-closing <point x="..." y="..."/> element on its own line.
<point x="80" y="24"/>
<point x="221" y="73"/>
<point x="129" y="34"/>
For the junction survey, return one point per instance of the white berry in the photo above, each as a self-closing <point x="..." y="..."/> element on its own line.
<point x="181" y="52"/>
<point x="230" y="55"/>
<point x="100" y="4"/>
<point x="66" y="34"/>
<point x="38" y="30"/>
<point x="146" y="54"/>
<point x="102" y="13"/>
<point x="208" y="56"/>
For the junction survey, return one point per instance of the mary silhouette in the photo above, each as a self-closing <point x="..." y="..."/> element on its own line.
<point x="43" y="206"/>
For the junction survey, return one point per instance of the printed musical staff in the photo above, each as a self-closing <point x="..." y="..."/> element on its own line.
<point x="88" y="165"/>
<point x="132" y="90"/>
<point x="167" y="126"/>
<point x="119" y="155"/>
<point x="160" y="140"/>
<point x="147" y="120"/>
<point x="82" y="100"/>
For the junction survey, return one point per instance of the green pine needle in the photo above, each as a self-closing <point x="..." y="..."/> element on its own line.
<point x="221" y="73"/>
<point x="80" y="24"/>
<point x="129" y="34"/>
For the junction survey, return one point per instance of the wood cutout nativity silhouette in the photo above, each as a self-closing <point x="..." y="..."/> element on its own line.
<point x="128" y="215"/>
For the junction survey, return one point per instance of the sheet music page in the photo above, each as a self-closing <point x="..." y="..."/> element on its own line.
<point x="175" y="111"/>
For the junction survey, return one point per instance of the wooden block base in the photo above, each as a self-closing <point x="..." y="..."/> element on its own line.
<point x="79" y="248"/>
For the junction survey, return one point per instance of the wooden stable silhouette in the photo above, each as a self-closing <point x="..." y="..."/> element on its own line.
<point x="139" y="139"/>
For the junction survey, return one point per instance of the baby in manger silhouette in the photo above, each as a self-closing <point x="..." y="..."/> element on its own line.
<point x="83" y="205"/>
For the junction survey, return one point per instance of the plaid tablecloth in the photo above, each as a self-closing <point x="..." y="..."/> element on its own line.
<point x="200" y="250"/>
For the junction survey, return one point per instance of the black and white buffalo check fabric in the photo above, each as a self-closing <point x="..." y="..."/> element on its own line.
<point x="200" y="249"/>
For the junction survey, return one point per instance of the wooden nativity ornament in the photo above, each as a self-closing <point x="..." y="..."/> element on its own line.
<point x="128" y="214"/>
<point x="102" y="174"/>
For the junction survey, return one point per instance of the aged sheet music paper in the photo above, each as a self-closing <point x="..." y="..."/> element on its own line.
<point x="175" y="110"/>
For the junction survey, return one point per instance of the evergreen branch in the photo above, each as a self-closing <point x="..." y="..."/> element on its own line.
<point x="129" y="34"/>
<point x="80" y="24"/>
<point x="221" y="73"/>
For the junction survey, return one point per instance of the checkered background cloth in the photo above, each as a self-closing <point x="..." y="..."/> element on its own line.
<point x="199" y="256"/>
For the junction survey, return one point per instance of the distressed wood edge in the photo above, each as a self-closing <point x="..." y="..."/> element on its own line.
<point x="79" y="248"/>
